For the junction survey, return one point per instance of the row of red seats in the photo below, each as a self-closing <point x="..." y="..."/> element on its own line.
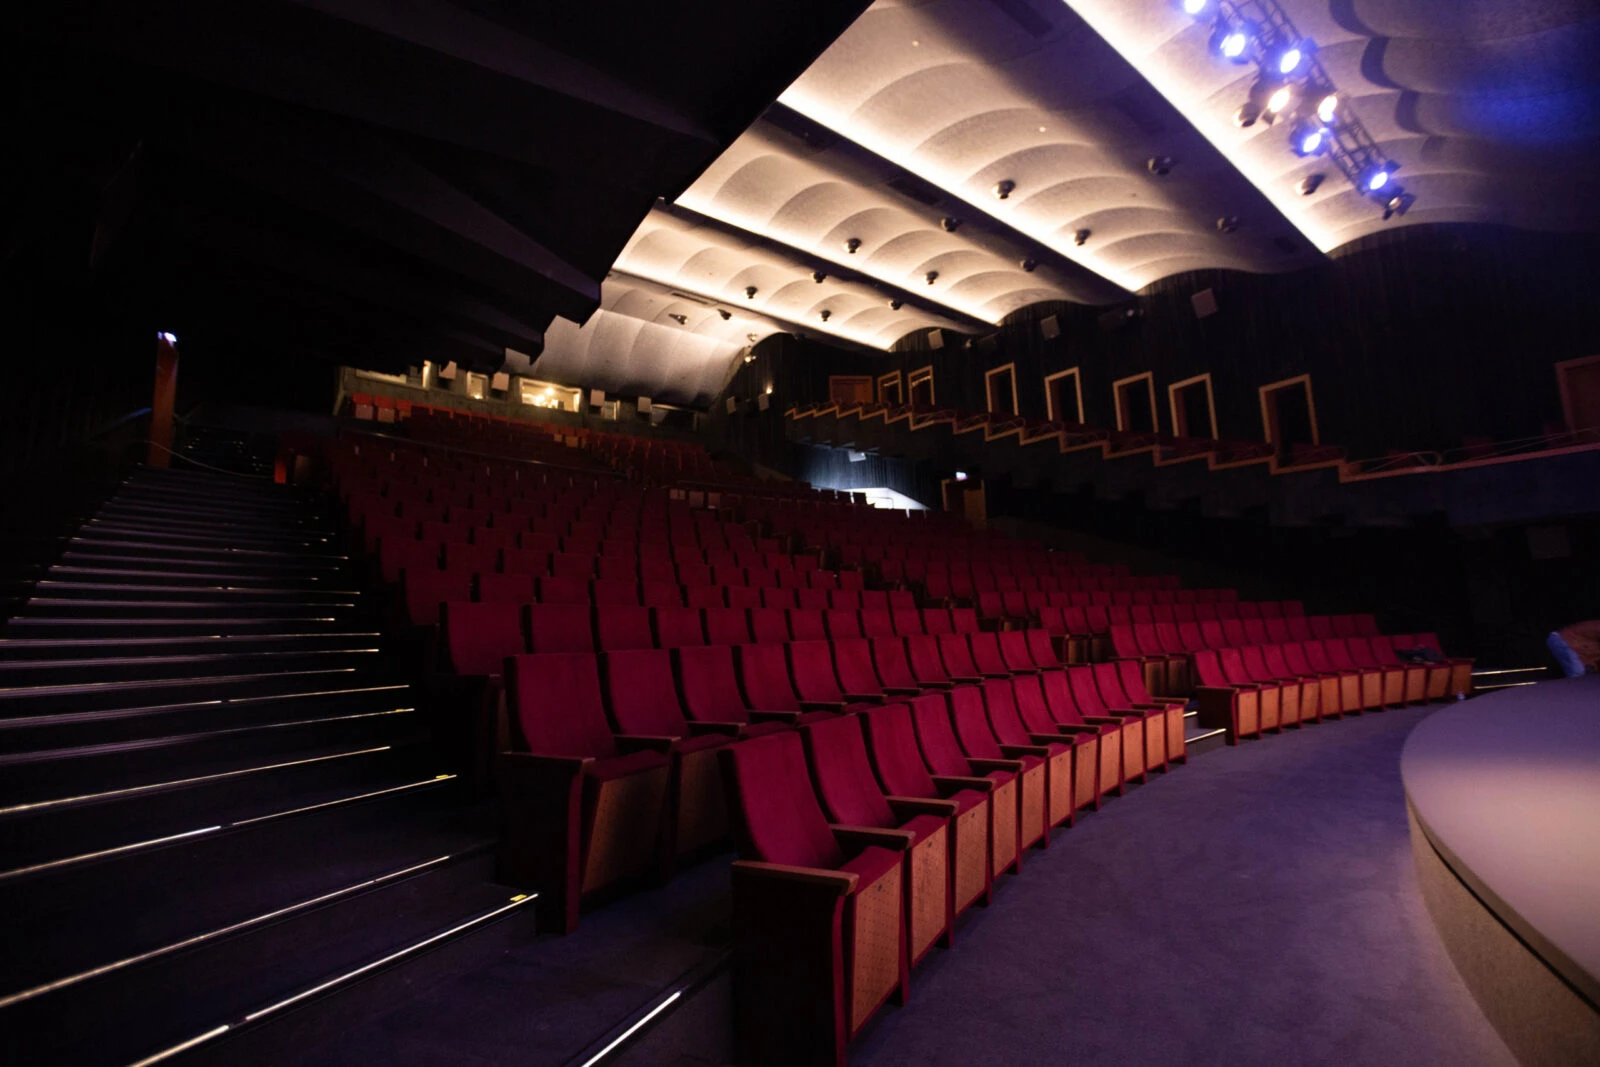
<point x="1256" y="688"/>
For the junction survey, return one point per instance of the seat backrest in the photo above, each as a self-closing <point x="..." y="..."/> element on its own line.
<point x="1132" y="681"/>
<point x="1042" y="649"/>
<point x="1361" y="653"/>
<point x="1233" y="668"/>
<point x="776" y="816"/>
<point x="563" y="591"/>
<point x="621" y="628"/>
<point x="727" y="626"/>
<point x="560" y="628"/>
<point x="1277" y="666"/>
<point x="1345" y="626"/>
<point x="1316" y="653"/>
<point x="892" y="747"/>
<point x="927" y="665"/>
<point x="1294" y="654"/>
<point x="555" y="700"/>
<point x="876" y="622"/>
<point x="811" y="666"/>
<point x="477" y="638"/>
<point x="1255" y="663"/>
<point x="1234" y="633"/>
<point x="852" y="658"/>
<point x="1277" y="630"/>
<point x="1299" y="627"/>
<point x="1108" y="682"/>
<point x="1321" y="627"/>
<point x="1058" y="698"/>
<point x="743" y="596"/>
<point x="812" y="599"/>
<point x="764" y="678"/>
<point x="657" y="594"/>
<point x="930" y="718"/>
<point x="805" y="624"/>
<point x="505" y="588"/>
<point x="769" y="625"/>
<point x="677" y="627"/>
<point x="427" y="588"/>
<point x="1014" y="651"/>
<point x="889" y="658"/>
<point x="842" y="623"/>
<point x="1249" y="609"/>
<point x="957" y="655"/>
<point x="986" y="654"/>
<point x="1339" y="654"/>
<point x="779" y="598"/>
<point x="1032" y="707"/>
<point x="848" y="789"/>
<point x="641" y="694"/>
<point x="524" y="561"/>
<point x="1085" y="694"/>
<point x="907" y="621"/>
<point x="964" y="620"/>
<point x="971" y="723"/>
<point x="1208" y="668"/>
<point x="461" y="556"/>
<point x="396" y="554"/>
<point x="709" y="686"/>
<point x="1255" y="631"/>
<point x="936" y="621"/>
<point x="1123" y="641"/>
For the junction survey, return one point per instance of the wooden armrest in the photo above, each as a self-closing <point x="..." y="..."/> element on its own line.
<point x="728" y="729"/>
<point x="1049" y="739"/>
<point x="863" y="836"/>
<point x="979" y="764"/>
<point x="841" y="882"/>
<point x="1014" y="751"/>
<point x="788" y="717"/>
<point x="955" y="782"/>
<point x="1074" y="728"/>
<point x="1228" y="689"/>
<point x="864" y="698"/>
<point x="1109" y="720"/>
<point x="902" y="690"/>
<point x="570" y="766"/>
<point x="644" y="743"/>
<point x="922" y="805"/>
<point x="822" y="705"/>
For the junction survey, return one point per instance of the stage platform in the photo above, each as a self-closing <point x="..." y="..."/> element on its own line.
<point x="1504" y="799"/>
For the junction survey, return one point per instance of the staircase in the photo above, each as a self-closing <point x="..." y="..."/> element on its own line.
<point x="222" y="831"/>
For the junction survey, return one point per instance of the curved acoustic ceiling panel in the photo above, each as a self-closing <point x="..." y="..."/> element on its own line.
<point x="635" y="344"/>
<point x="832" y="203"/>
<point x="712" y="262"/>
<point x="1492" y="110"/>
<point x="969" y="95"/>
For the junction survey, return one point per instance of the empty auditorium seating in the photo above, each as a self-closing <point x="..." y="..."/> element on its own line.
<point x="978" y="741"/>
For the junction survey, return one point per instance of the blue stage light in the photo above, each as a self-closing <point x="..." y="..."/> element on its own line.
<point x="1309" y="140"/>
<point x="1233" y="44"/>
<point x="1231" y="40"/>
<point x="1195" y="7"/>
<point x="1378" y="177"/>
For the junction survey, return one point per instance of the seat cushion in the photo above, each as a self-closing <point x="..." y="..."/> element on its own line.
<point x="760" y="729"/>
<point x="873" y="863"/>
<point x="967" y="799"/>
<point x="701" y="743"/>
<point x="923" y="826"/>
<point x="1030" y="762"/>
<point x="612" y="767"/>
<point x="1000" y="778"/>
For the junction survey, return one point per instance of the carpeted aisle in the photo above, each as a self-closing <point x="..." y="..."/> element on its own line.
<point x="1256" y="907"/>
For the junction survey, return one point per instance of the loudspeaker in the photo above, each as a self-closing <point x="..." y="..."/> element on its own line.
<point x="936" y="339"/>
<point x="1204" y="303"/>
<point x="597" y="397"/>
<point x="732" y="405"/>
<point x="500" y="382"/>
<point x="644" y="405"/>
<point x="1050" y="327"/>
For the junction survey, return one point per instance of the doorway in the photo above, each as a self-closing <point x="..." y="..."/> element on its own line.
<point x="1288" y="414"/>
<point x="1135" y="398"/>
<point x="921" y="387"/>
<point x="1193" y="408"/>
<point x="1063" y="396"/>
<point x="1001" y="386"/>
<point x="889" y="390"/>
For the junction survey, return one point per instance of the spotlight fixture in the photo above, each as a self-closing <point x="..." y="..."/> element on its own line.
<point x="1160" y="166"/>
<point x="1280" y="99"/>
<point x="1081" y="237"/>
<point x="1291" y="57"/>
<point x="1328" y="107"/>
<point x="679" y="319"/>
<point x="725" y="313"/>
<point x="852" y="244"/>
<point x="826" y="314"/>
<point x="750" y="357"/>
<point x="1195" y="7"/>
<point x="1004" y="188"/>
<point x="1029" y="264"/>
<point x="1399" y="202"/>
<point x="895" y="305"/>
<point x="750" y="292"/>
<point x="1311" y="183"/>
<point x="1246" y="116"/>
<point x="751" y="337"/>
<point x="1231" y="40"/>
<point x="818" y="277"/>
<point x="1377" y="176"/>
<point x="1309" y="139"/>
<point x="1228" y="223"/>
<point x="950" y="223"/>
<point x="931" y="277"/>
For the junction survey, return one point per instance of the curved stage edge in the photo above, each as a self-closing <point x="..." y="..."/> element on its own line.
<point x="1503" y="799"/>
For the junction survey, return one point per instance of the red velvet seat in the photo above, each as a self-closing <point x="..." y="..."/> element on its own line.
<point x="727" y="626"/>
<point x="1042" y="650"/>
<point x="618" y="629"/>
<point x="643" y="699"/>
<point x="475" y="640"/>
<point x="1223" y="703"/>
<point x="1396" y="674"/>
<point x="1056" y="748"/>
<point x="1137" y="696"/>
<point x="1338" y="654"/>
<point x="711" y="694"/>
<point x="769" y="626"/>
<point x="425" y="589"/>
<point x="461" y="556"/>
<point x="819" y="939"/>
<point x="842" y="623"/>
<point x="893" y="668"/>
<point x="805" y="624"/>
<point x="1328" y="697"/>
<point x="964" y="620"/>
<point x="678" y="627"/>
<point x="563" y="591"/>
<point x="956" y="653"/>
<point x="658" y="594"/>
<point x="906" y="621"/>
<point x="1113" y="734"/>
<point x="1269" y="694"/>
<point x="943" y="755"/>
<point x="897" y="760"/>
<point x="1351" y="688"/>
<point x="779" y="598"/>
<point x="1033" y="708"/>
<point x="816" y="679"/>
<point x="851" y="796"/>
<point x="876" y="622"/>
<point x="572" y="565"/>
<point x="765" y="680"/>
<point x="396" y="555"/>
<point x="970" y="719"/>
<point x="1144" y="752"/>
<point x="936" y="621"/>
<point x="1310" y="697"/>
<point x="560" y="628"/>
<point x="1289" y="688"/>
<point x="989" y="660"/>
<point x="579" y="813"/>
<point x="506" y="588"/>
<point x="524" y="561"/>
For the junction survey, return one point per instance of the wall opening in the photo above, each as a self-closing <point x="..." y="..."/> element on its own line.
<point x="1288" y="414"/>
<point x="1063" y="396"/>
<point x="921" y="387"/>
<point x="1000" y="385"/>
<point x="850" y="390"/>
<point x="1135" y="399"/>
<point x="1580" y="392"/>
<point x="1193" y="407"/>
<point x="890" y="390"/>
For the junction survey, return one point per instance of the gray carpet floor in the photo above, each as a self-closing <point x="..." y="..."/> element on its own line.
<point x="1258" y="906"/>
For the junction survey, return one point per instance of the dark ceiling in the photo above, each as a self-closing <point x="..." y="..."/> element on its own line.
<point x="351" y="180"/>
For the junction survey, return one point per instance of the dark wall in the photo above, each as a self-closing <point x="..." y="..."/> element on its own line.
<point x="1413" y="339"/>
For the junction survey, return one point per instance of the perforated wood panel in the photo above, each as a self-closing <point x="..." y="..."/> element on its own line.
<point x="876" y="938"/>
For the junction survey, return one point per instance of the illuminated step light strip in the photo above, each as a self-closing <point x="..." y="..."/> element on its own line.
<point x="1121" y="23"/>
<point x="997" y="204"/>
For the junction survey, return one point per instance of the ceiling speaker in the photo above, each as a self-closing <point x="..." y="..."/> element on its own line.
<point x="935" y="339"/>
<point x="732" y="405"/>
<point x="644" y="405"/>
<point x="1050" y="327"/>
<point x="1204" y="303"/>
<point x="597" y="397"/>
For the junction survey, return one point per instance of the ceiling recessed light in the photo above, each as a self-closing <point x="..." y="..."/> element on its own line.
<point x="931" y="277"/>
<point x="826" y="314"/>
<point x="852" y="244"/>
<point x="1004" y="188"/>
<point x="750" y="292"/>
